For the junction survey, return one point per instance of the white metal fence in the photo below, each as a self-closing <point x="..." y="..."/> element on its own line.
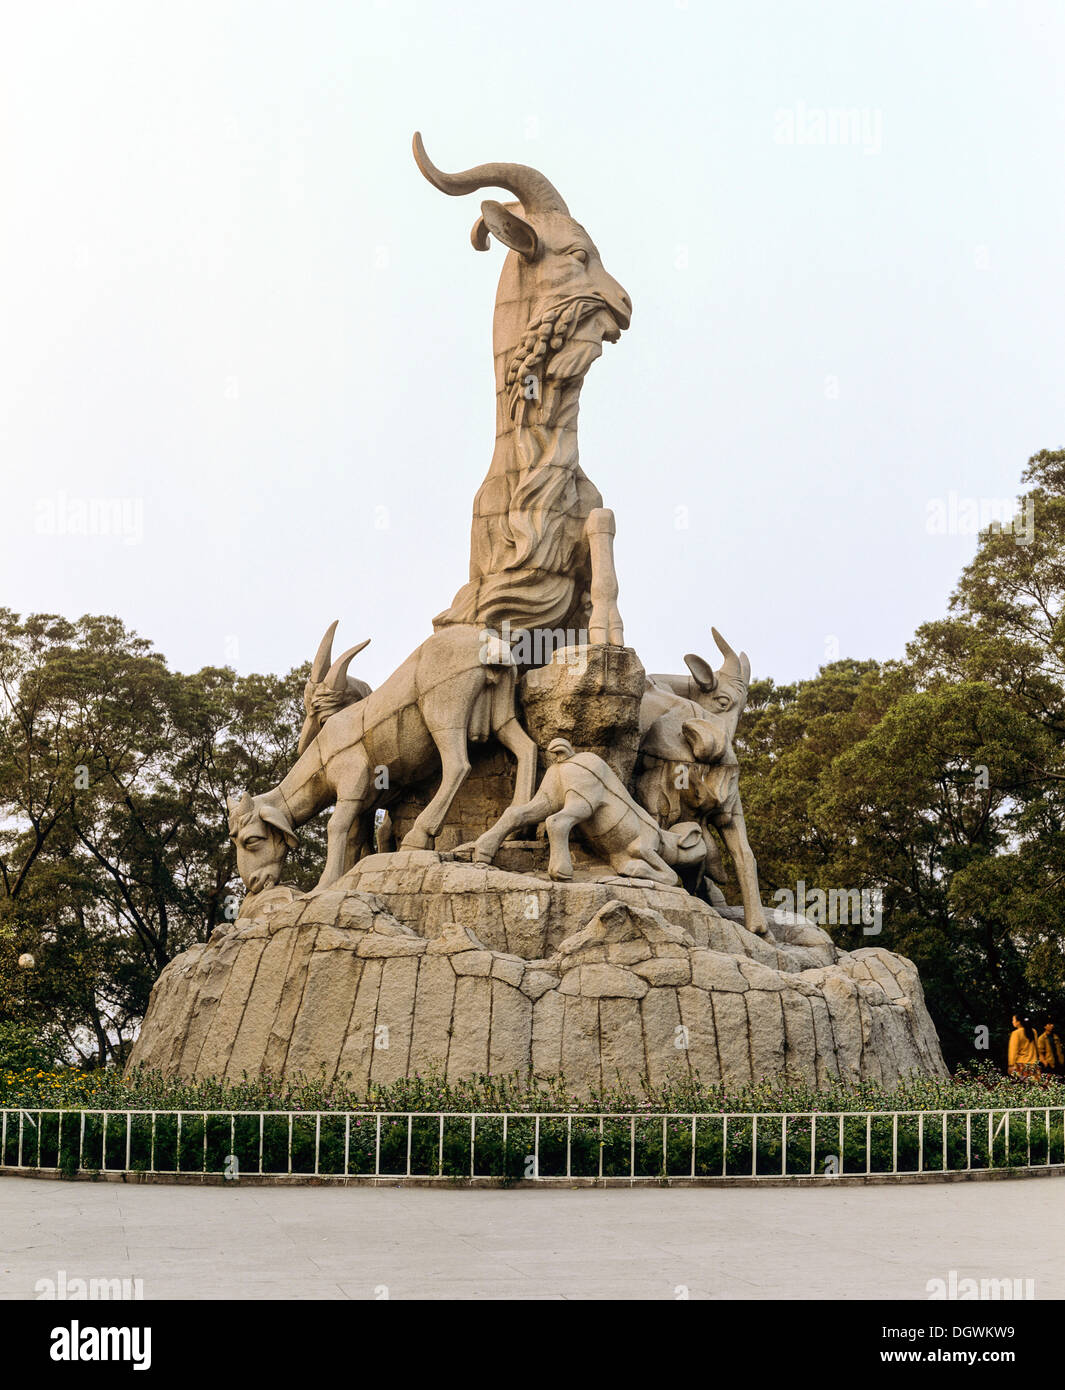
<point x="543" y="1147"/>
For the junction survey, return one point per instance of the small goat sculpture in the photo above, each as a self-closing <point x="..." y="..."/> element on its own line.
<point x="687" y="767"/>
<point x="582" y="791"/>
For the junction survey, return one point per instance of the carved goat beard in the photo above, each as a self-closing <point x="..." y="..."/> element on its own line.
<point x="547" y="346"/>
<point x="544" y="488"/>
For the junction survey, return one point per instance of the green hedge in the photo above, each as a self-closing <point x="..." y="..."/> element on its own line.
<point x="975" y="1089"/>
<point x="582" y="1146"/>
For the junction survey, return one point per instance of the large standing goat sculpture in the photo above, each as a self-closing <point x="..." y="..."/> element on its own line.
<point x="541" y="549"/>
<point x="456" y="688"/>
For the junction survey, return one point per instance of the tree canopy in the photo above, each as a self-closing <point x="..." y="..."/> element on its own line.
<point x="939" y="781"/>
<point x="113" y="850"/>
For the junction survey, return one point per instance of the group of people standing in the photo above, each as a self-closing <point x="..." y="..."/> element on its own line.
<point x="1032" y="1053"/>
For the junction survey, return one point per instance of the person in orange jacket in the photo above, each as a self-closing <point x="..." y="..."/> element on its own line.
<point x="1023" y="1057"/>
<point x="1051" y="1051"/>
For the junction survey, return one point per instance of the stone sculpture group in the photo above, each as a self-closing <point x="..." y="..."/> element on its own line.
<point x="554" y="905"/>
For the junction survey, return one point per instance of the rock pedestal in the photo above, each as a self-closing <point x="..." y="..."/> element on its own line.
<point x="591" y="696"/>
<point x="430" y="964"/>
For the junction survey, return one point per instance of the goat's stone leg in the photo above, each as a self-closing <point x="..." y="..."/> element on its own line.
<point x="531" y="813"/>
<point x="509" y="732"/>
<point x="513" y="737"/>
<point x="361" y="834"/>
<point x="345" y="813"/>
<point x="604" y="625"/>
<point x="454" y="767"/>
<point x="644" y="862"/>
<point x="574" y="810"/>
<point x="627" y="867"/>
<point x="734" y="831"/>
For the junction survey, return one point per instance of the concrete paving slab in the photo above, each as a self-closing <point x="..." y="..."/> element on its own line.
<point x="445" y="1243"/>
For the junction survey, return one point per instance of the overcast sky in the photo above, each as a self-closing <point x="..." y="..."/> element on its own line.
<point x="233" y="308"/>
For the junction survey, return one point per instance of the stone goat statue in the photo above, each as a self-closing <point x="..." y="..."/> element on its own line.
<point x="687" y="767"/>
<point x="457" y="687"/>
<point x="541" y="550"/>
<point x="581" y="790"/>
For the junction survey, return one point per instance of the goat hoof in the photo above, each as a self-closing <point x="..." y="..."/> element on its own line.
<point x="417" y="839"/>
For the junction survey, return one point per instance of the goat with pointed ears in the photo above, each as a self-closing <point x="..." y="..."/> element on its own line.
<point x="688" y="769"/>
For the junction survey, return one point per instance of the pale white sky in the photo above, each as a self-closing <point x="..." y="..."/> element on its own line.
<point x="228" y="298"/>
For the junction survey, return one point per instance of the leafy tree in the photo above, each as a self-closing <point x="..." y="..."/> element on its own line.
<point x="25" y="1048"/>
<point x="114" y="773"/>
<point x="939" y="782"/>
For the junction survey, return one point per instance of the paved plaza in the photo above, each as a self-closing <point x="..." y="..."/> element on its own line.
<point x="882" y="1242"/>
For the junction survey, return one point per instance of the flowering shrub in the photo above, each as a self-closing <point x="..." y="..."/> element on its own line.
<point x="27" y="1048"/>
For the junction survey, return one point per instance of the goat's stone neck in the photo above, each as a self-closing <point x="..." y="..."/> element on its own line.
<point x="539" y="429"/>
<point x="301" y="793"/>
<point x="529" y="562"/>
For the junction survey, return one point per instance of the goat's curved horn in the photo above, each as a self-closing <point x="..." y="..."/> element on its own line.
<point x="324" y="654"/>
<point x="338" y="672"/>
<point x="535" y="192"/>
<point x="732" y="661"/>
<point x="735" y="666"/>
<point x="238" y="808"/>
